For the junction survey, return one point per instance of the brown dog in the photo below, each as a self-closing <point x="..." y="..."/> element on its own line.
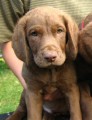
<point x="46" y="40"/>
<point x="85" y="36"/>
<point x="84" y="66"/>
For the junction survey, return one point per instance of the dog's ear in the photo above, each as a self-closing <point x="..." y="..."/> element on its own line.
<point x="85" y="42"/>
<point x="71" y="37"/>
<point x="19" y="42"/>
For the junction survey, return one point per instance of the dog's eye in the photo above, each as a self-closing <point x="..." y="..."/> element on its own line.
<point x="59" y="30"/>
<point x="34" y="33"/>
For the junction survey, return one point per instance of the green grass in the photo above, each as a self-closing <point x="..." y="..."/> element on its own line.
<point x="10" y="89"/>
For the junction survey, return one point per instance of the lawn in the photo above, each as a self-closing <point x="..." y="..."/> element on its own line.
<point x="10" y="89"/>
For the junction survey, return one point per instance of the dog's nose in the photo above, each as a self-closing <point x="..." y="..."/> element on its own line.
<point x="50" y="57"/>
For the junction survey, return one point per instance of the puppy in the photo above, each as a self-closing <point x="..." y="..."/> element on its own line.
<point x="85" y="39"/>
<point x="84" y="66"/>
<point x="46" y="40"/>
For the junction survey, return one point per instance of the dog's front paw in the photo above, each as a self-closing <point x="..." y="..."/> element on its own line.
<point x="16" y="116"/>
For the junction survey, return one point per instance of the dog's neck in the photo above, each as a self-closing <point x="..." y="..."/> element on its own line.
<point x="53" y="73"/>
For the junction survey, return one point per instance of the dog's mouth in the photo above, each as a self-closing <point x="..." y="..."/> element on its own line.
<point x="50" y="59"/>
<point x="52" y="65"/>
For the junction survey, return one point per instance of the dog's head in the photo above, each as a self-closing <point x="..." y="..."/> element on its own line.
<point x="85" y="38"/>
<point x="47" y="35"/>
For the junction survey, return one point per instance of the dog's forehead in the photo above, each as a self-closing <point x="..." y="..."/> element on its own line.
<point x="45" y="16"/>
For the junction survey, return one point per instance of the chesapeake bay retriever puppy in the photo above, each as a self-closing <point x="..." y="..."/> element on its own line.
<point x="46" y="40"/>
<point x="85" y="36"/>
<point x="84" y="66"/>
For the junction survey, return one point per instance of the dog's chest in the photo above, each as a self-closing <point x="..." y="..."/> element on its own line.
<point x="52" y="88"/>
<point x="51" y="83"/>
<point x="51" y="78"/>
<point x="56" y="78"/>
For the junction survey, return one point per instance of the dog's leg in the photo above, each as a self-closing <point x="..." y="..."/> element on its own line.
<point x="74" y="102"/>
<point x="34" y="105"/>
<point x="17" y="115"/>
<point x="86" y="102"/>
